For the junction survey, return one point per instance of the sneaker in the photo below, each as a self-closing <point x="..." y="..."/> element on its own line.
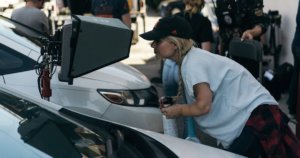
<point x="291" y="116"/>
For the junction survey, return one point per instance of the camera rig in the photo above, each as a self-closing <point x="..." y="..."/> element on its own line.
<point x="86" y="44"/>
<point x="51" y="56"/>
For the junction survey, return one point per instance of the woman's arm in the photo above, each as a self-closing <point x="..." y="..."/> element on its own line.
<point x="201" y="106"/>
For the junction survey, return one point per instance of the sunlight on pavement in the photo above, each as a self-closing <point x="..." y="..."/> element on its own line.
<point x="141" y="52"/>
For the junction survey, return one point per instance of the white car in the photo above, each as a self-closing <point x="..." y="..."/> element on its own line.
<point x="118" y="92"/>
<point x="36" y="128"/>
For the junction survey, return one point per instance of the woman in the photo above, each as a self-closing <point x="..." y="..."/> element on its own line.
<point x="226" y="101"/>
<point x="202" y="35"/>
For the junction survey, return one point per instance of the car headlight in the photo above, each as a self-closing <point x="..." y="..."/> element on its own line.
<point x="139" y="98"/>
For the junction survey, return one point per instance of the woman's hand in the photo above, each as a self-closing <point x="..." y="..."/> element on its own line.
<point x="168" y="108"/>
<point x="201" y="106"/>
<point x="166" y="101"/>
<point x="172" y="111"/>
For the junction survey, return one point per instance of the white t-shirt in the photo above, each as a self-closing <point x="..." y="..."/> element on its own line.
<point x="236" y="93"/>
<point x="32" y="17"/>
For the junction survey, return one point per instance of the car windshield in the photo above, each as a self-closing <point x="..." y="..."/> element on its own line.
<point x="127" y="142"/>
<point x="34" y="132"/>
<point x="20" y="33"/>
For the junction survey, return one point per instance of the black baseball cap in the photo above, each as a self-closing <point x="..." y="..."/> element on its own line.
<point x="169" y="26"/>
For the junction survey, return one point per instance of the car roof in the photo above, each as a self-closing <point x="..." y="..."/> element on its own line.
<point x="14" y="30"/>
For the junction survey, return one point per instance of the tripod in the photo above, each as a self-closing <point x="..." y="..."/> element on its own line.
<point x="274" y="47"/>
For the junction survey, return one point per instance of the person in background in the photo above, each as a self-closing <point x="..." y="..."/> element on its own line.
<point x="202" y="35"/>
<point x="293" y="90"/>
<point x="202" y="28"/>
<point x="239" y="18"/>
<point x="78" y="7"/>
<point x="32" y="16"/>
<point x="112" y="9"/>
<point x="226" y="101"/>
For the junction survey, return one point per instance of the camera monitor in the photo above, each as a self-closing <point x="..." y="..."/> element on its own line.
<point x="90" y="43"/>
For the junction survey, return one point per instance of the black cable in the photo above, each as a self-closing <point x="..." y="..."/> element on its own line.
<point x="39" y="84"/>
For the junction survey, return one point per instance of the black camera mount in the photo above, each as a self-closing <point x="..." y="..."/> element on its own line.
<point x="51" y="56"/>
<point x="274" y="17"/>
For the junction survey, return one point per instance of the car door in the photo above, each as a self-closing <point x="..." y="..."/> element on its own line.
<point x="16" y="69"/>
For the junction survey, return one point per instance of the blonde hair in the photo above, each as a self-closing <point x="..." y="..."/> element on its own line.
<point x="183" y="47"/>
<point x="195" y="6"/>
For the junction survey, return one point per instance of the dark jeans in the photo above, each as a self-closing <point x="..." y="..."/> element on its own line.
<point x="247" y="144"/>
<point x="293" y="89"/>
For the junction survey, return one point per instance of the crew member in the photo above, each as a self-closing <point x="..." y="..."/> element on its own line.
<point x="240" y="18"/>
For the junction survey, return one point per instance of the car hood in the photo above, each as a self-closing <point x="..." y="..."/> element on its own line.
<point x="182" y="148"/>
<point x="187" y="149"/>
<point x="115" y="76"/>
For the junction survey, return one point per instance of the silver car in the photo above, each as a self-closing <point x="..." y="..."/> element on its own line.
<point x="32" y="127"/>
<point x="118" y="92"/>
